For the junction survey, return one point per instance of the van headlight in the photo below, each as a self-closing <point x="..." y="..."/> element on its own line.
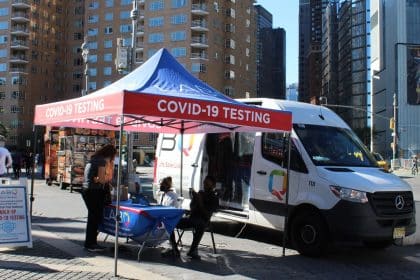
<point x="349" y="194"/>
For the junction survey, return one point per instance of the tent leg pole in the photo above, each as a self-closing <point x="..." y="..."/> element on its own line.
<point x="31" y="196"/>
<point x="182" y="157"/>
<point x="117" y="209"/>
<point x="286" y="218"/>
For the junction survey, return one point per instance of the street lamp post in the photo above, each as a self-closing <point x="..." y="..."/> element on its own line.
<point x="85" y="55"/>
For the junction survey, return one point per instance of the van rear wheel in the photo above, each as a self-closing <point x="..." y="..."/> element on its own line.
<point x="309" y="234"/>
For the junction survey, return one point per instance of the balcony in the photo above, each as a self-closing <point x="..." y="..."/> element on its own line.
<point x="139" y="47"/>
<point x="140" y="31"/>
<point x="18" y="70"/>
<point x="199" y="9"/>
<point x="19" y="30"/>
<point x="19" y="45"/>
<point x="21" y="4"/>
<point x="199" y="25"/>
<point x="20" y="17"/>
<point x="19" y="59"/>
<point x="199" y="42"/>
<point x="199" y="55"/>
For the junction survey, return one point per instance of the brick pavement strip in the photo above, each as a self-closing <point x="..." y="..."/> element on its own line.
<point x="55" y="258"/>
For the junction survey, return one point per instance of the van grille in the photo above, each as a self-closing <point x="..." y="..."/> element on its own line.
<point x="384" y="203"/>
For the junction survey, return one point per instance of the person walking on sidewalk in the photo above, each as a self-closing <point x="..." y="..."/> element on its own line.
<point x="93" y="193"/>
<point x="5" y="159"/>
<point x="415" y="168"/>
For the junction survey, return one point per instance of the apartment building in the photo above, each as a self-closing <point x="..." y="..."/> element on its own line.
<point x="41" y="57"/>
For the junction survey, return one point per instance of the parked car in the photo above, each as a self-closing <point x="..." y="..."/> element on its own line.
<point x="382" y="163"/>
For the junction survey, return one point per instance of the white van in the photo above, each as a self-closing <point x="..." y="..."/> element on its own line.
<point x="337" y="191"/>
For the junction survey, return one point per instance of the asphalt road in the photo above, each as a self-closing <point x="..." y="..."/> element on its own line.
<point x="253" y="253"/>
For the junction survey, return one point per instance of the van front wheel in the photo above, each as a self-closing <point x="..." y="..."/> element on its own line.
<point x="309" y="234"/>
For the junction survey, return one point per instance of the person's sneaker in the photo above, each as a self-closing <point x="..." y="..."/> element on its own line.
<point x="95" y="248"/>
<point x="194" y="255"/>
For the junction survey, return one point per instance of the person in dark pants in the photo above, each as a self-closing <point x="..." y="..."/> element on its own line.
<point x="203" y="205"/>
<point x="17" y="163"/>
<point x="93" y="193"/>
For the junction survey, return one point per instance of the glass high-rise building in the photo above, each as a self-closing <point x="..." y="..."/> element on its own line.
<point x="395" y="68"/>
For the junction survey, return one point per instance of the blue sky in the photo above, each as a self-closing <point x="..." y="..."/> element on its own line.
<point x="285" y="15"/>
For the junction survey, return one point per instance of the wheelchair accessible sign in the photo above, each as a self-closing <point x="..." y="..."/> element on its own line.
<point x="14" y="217"/>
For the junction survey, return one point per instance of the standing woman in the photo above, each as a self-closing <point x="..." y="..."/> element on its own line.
<point x="93" y="192"/>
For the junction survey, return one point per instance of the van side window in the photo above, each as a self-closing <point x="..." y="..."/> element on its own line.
<point x="275" y="147"/>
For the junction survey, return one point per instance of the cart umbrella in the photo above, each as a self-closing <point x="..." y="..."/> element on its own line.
<point x="160" y="96"/>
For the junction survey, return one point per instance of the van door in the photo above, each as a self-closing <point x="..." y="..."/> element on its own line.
<point x="269" y="173"/>
<point x="229" y="158"/>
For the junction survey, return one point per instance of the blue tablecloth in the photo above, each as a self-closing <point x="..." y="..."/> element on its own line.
<point x="139" y="221"/>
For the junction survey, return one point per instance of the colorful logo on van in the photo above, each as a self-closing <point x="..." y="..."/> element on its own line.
<point x="187" y="149"/>
<point x="281" y="191"/>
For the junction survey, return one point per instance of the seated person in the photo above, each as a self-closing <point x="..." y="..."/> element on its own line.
<point x="168" y="196"/>
<point x="202" y="206"/>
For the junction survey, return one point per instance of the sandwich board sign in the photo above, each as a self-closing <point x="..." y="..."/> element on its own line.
<point x="15" y="225"/>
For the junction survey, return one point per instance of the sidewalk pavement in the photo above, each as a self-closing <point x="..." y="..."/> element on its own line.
<point x="53" y="257"/>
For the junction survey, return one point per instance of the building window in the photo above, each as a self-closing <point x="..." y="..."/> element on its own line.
<point x="76" y="36"/>
<point x="93" y="45"/>
<point x="3" y="52"/>
<point x="230" y="59"/>
<point x="126" y="2"/>
<point x="108" y="30"/>
<point x="230" y="13"/>
<point x="93" y="19"/>
<point x="156" y="5"/>
<point x="179" y="19"/>
<point x="151" y="52"/>
<point x="156" y="22"/>
<point x="93" y="58"/>
<point x="124" y="28"/>
<point x="16" y="109"/>
<point x="92" y="31"/>
<point x="124" y="14"/>
<point x="93" y="5"/>
<point x="18" y="81"/>
<point x="3" y="67"/>
<point x="109" y="3"/>
<point x="1" y="109"/>
<point x="2" y="95"/>
<point x="230" y="27"/>
<point x="156" y="38"/>
<point x="108" y="57"/>
<point x="107" y="44"/>
<point x="179" y="52"/>
<point x="178" y="3"/>
<point x="230" y="74"/>
<point x="107" y="71"/>
<point x="230" y="44"/>
<point x="92" y="72"/>
<point x="109" y="16"/>
<point x="107" y="83"/>
<point x="198" y="68"/>
<point x="2" y="81"/>
<point x="3" y="39"/>
<point x="4" y="11"/>
<point x="229" y="91"/>
<point x="178" y="36"/>
<point x="92" y="85"/>
<point x="4" y="25"/>
<point x="18" y="95"/>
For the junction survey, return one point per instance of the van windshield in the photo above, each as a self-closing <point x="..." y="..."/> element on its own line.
<point x="335" y="146"/>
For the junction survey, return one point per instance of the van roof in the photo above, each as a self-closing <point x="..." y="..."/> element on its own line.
<point x="304" y="113"/>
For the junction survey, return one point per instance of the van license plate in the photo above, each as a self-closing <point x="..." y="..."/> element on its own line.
<point x="399" y="232"/>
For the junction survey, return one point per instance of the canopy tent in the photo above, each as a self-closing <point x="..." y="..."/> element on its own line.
<point x="160" y="96"/>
